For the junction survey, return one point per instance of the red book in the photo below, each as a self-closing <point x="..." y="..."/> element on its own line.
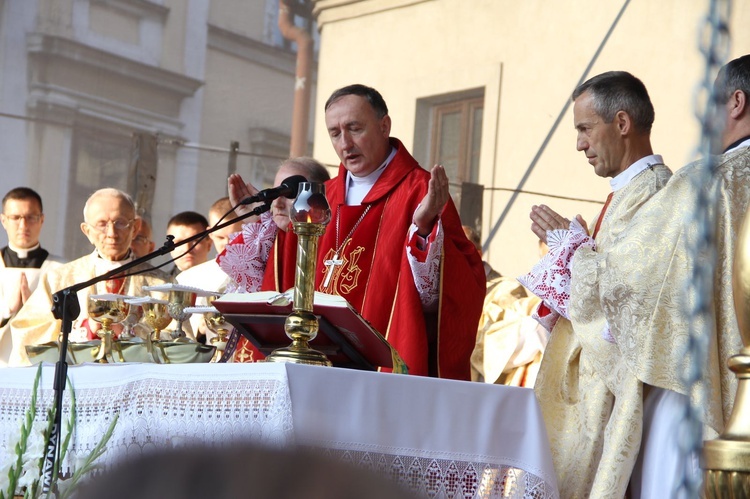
<point x="344" y="336"/>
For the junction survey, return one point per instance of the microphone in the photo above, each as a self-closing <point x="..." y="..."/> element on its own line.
<point x="287" y="189"/>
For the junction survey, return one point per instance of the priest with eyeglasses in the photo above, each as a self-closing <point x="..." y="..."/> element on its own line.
<point x="23" y="259"/>
<point x="110" y="223"/>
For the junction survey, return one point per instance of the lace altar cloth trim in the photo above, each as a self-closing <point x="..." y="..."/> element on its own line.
<point x="446" y="478"/>
<point x="163" y="406"/>
<point x="157" y="413"/>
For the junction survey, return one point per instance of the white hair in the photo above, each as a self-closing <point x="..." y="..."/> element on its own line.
<point x="107" y="192"/>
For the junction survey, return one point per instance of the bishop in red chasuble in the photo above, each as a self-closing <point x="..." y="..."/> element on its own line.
<point x="394" y="248"/>
<point x="363" y="257"/>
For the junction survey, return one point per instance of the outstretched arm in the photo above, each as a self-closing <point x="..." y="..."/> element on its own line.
<point x="423" y="253"/>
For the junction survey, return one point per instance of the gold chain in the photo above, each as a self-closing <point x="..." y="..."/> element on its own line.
<point x="338" y="219"/>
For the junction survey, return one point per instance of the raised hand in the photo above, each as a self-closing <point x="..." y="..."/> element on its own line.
<point x="434" y="201"/>
<point x="239" y="190"/>
<point x="19" y="296"/>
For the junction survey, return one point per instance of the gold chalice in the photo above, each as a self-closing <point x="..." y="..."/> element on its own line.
<point x="107" y="309"/>
<point x="155" y="315"/>
<point x="216" y="324"/>
<point x="180" y="297"/>
<point x="134" y="343"/>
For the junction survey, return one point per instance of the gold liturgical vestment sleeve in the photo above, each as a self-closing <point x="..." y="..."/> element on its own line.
<point x="644" y="278"/>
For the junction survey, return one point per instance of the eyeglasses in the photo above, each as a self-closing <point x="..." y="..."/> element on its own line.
<point x="119" y="225"/>
<point x="29" y="219"/>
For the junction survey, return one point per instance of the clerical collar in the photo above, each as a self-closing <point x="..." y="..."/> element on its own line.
<point x="103" y="265"/>
<point x="28" y="258"/>
<point x="623" y="178"/>
<point x="743" y="142"/>
<point x="358" y="187"/>
<point x="23" y="252"/>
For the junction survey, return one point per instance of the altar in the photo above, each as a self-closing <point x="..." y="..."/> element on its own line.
<point x="444" y="438"/>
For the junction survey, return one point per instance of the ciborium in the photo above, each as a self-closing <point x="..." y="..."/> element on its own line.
<point x="179" y="301"/>
<point x="726" y="460"/>
<point x="310" y="213"/>
<point x="107" y="309"/>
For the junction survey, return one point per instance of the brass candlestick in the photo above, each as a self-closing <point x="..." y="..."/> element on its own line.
<point x="310" y="213"/>
<point x="726" y="460"/>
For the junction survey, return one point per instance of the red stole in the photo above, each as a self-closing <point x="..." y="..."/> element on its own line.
<point x="601" y="215"/>
<point x="278" y="277"/>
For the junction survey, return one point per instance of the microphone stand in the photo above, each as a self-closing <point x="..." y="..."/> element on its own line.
<point x="65" y="307"/>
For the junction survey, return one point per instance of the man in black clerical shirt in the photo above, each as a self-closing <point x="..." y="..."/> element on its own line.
<point x="23" y="259"/>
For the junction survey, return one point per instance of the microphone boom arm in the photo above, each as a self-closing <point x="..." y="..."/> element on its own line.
<point x="66" y="308"/>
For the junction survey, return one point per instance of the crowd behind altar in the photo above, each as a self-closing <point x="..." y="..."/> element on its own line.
<point x="596" y="328"/>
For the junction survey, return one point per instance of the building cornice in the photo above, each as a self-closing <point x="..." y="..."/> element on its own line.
<point x="41" y="45"/>
<point x="79" y="109"/>
<point x="329" y="11"/>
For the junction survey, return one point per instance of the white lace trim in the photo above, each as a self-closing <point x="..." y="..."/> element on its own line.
<point x="160" y="407"/>
<point x="430" y="477"/>
<point x="246" y="256"/>
<point x="550" y="277"/>
<point x="427" y="274"/>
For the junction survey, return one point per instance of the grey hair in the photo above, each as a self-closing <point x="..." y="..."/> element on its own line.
<point x="734" y="75"/>
<point x="373" y="97"/>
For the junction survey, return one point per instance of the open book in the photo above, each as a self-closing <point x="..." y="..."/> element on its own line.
<point x="344" y="336"/>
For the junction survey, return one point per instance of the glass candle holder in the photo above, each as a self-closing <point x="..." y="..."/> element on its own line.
<point x="309" y="214"/>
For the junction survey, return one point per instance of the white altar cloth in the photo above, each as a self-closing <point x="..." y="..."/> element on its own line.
<point x="443" y="438"/>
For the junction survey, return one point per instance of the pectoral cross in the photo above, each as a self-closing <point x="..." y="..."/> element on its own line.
<point x="333" y="262"/>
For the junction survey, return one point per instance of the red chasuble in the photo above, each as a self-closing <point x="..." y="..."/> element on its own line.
<point x="373" y="272"/>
